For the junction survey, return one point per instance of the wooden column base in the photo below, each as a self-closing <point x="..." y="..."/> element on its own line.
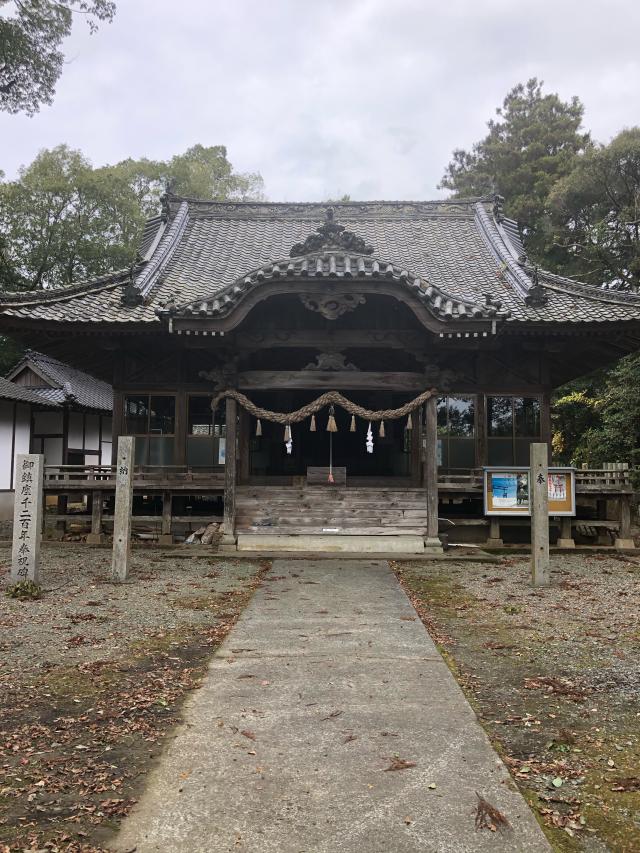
<point x="165" y="539"/>
<point x="494" y="539"/>
<point x="432" y="545"/>
<point x="96" y="538"/>
<point x="566" y="539"/>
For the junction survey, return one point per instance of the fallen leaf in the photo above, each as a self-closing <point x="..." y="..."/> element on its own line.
<point x="399" y="764"/>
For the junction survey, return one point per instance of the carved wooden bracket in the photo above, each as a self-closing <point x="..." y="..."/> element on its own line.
<point x="330" y="361"/>
<point x="332" y="305"/>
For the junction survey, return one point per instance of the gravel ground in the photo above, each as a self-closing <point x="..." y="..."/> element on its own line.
<point x="80" y="601"/>
<point x="92" y="681"/>
<point x="554" y="676"/>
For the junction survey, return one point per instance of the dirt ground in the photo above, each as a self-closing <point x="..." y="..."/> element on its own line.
<point x="92" y="680"/>
<point x="554" y="676"/>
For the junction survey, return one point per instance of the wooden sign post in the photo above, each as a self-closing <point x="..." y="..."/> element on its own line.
<point x="539" y="496"/>
<point x="27" y="518"/>
<point x="123" y="508"/>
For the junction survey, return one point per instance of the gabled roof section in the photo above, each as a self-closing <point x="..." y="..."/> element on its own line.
<point x="10" y="391"/>
<point x="67" y="384"/>
<point x="338" y="265"/>
<point x="198" y="251"/>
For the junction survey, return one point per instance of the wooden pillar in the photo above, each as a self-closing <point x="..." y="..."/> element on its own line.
<point x="545" y="419"/>
<point x="481" y="431"/>
<point x="244" y="438"/>
<point x="124" y="504"/>
<point x="539" y="496"/>
<point x="180" y="450"/>
<point x="230" y="467"/>
<point x="96" y="537"/>
<point x="117" y="424"/>
<point x="61" y="509"/>
<point x="624" y="540"/>
<point x="414" y="456"/>
<point x="166" y="536"/>
<point x="566" y="539"/>
<point x="432" y="543"/>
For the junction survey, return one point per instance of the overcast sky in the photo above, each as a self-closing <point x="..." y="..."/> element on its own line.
<point x="325" y="97"/>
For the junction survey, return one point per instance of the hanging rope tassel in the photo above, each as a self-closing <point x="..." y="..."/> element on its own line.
<point x="381" y="430"/>
<point x="409" y="422"/>
<point x="312" y="428"/>
<point x="352" y="428"/>
<point x="331" y="423"/>
<point x="258" y="429"/>
<point x="287" y="433"/>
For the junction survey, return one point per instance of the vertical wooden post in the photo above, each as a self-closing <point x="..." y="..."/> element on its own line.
<point x="61" y="509"/>
<point x="432" y="543"/>
<point x="481" y="431"/>
<point x="96" y="537"/>
<point x="545" y="418"/>
<point x="624" y="540"/>
<point x="414" y="455"/>
<point x="166" y="536"/>
<point x="244" y="438"/>
<point x="122" y="513"/>
<point x="27" y="517"/>
<point x="539" y="496"/>
<point x="230" y="465"/>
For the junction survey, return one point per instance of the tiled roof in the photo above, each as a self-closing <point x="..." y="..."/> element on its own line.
<point x="338" y="265"/>
<point x="11" y="391"/>
<point x="461" y="249"/>
<point x="68" y="385"/>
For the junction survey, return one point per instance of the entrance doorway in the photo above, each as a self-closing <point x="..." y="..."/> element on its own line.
<point x="393" y="455"/>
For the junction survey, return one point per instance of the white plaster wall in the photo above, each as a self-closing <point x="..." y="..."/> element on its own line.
<point x="6" y="442"/>
<point x="92" y="433"/>
<point x="105" y="456"/>
<point x="23" y="430"/>
<point x="75" y="439"/>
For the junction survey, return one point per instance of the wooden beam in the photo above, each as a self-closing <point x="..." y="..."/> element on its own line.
<point x="262" y="380"/>
<point x="331" y="338"/>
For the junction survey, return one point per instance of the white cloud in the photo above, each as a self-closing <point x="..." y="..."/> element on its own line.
<point x="366" y="97"/>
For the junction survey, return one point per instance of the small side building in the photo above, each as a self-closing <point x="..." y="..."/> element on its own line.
<point x="48" y="407"/>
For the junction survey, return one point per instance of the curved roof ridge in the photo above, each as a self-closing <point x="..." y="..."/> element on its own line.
<point x="337" y="265"/>
<point x="56" y="294"/>
<point x="163" y="253"/>
<point x="591" y="291"/>
<point x="497" y="243"/>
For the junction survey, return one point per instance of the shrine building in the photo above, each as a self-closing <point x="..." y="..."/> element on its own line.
<point x="441" y="336"/>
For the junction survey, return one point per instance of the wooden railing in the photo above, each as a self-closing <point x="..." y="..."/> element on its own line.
<point x="610" y="479"/>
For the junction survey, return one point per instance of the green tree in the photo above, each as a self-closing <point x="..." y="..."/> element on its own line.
<point x="533" y="142"/>
<point x="595" y="212"/>
<point x="63" y="221"/>
<point x="597" y="419"/>
<point x="31" y="56"/>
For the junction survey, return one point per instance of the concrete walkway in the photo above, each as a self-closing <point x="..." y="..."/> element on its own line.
<point x="326" y="679"/>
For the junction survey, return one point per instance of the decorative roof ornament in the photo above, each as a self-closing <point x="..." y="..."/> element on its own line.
<point x="330" y="235"/>
<point x="536" y="296"/>
<point x="498" y="207"/>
